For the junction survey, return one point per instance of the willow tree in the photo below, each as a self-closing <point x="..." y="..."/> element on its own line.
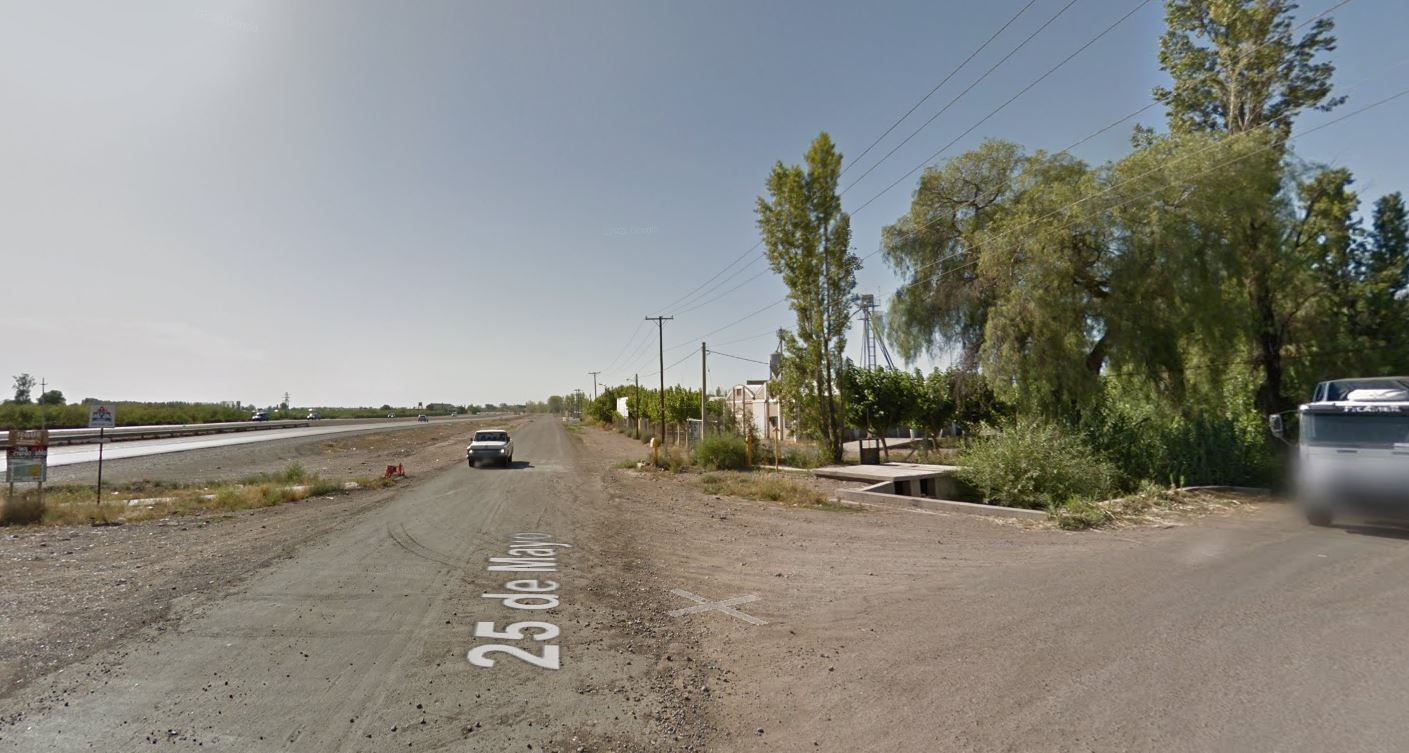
<point x="1052" y="274"/>
<point x="807" y="239"/>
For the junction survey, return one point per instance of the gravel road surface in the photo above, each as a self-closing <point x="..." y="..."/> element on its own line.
<point x="881" y="630"/>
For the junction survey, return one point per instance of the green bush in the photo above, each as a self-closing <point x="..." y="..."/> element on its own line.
<point x="1034" y="464"/>
<point x="721" y="452"/>
<point x="1212" y="445"/>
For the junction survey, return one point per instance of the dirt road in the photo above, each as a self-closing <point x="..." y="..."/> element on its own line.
<point x="852" y="631"/>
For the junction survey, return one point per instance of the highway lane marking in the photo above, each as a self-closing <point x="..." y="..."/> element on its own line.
<point x="725" y="605"/>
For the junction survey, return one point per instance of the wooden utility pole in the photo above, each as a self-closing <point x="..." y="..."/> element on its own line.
<point x="704" y="391"/>
<point x="594" y="384"/>
<point x="660" y="334"/>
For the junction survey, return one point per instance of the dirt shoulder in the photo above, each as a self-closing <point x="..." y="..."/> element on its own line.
<point x="896" y="629"/>
<point x="71" y="592"/>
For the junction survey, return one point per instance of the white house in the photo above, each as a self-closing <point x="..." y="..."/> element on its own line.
<point x="751" y="405"/>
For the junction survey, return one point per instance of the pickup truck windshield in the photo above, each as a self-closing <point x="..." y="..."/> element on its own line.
<point x="491" y="436"/>
<point x="1355" y="430"/>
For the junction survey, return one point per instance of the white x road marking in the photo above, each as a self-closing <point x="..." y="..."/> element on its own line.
<point x="726" y="606"/>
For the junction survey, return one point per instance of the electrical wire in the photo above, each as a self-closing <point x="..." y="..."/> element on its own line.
<point x="852" y="163"/>
<point x="961" y="94"/>
<point x="1005" y="104"/>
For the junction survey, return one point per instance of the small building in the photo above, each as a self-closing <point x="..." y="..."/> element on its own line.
<point x="751" y="405"/>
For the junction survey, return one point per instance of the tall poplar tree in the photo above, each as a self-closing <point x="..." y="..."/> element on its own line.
<point x="807" y="239"/>
<point x="1238" y="66"/>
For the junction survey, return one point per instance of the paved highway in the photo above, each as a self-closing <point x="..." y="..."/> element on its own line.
<point x="88" y="453"/>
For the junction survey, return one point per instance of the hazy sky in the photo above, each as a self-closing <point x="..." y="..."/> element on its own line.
<point x="362" y="203"/>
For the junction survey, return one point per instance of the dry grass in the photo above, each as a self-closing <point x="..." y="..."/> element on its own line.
<point x="75" y="504"/>
<point x="1149" y="507"/>
<point x="768" y="487"/>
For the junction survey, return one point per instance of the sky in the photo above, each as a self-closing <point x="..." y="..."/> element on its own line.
<point x="361" y="203"/>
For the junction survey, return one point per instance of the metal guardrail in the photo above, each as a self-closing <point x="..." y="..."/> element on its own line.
<point x="126" y="433"/>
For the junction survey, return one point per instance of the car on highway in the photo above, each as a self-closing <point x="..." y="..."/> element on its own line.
<point x="259" y="415"/>
<point x="422" y="418"/>
<point x="312" y="416"/>
<point x="490" y="444"/>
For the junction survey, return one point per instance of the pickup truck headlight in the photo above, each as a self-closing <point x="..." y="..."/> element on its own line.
<point x="503" y="450"/>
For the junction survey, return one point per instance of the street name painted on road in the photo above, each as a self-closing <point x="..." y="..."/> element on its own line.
<point x="528" y="553"/>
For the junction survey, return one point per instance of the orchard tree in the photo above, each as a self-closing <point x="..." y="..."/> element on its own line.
<point x="932" y="407"/>
<point x="807" y="239"/>
<point x="876" y="399"/>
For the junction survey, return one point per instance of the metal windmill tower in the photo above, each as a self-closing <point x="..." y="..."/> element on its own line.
<point x="871" y="339"/>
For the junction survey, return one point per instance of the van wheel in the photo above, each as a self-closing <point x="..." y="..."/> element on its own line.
<point x="1319" y="518"/>
<point x="470" y="462"/>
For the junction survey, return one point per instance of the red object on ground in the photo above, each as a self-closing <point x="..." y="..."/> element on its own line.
<point x="394" y="470"/>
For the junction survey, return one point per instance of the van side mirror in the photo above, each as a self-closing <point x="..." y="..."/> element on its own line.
<point x="1274" y="423"/>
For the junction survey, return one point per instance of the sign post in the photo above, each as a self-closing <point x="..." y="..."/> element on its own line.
<point x="26" y="460"/>
<point x="101" y="417"/>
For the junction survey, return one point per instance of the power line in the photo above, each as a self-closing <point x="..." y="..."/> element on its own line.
<point x="687" y="357"/>
<point x="1181" y="158"/>
<point x="701" y="302"/>
<point x="769" y="333"/>
<point x="961" y="94"/>
<point x="917" y="281"/>
<point x="736" y="260"/>
<point x="743" y="318"/>
<point x="1007" y="102"/>
<point x="738" y="358"/>
<point x="946" y="79"/>
<point x="1372" y="105"/>
<point x="937" y="87"/>
<point x="1214" y="145"/>
<point x="629" y="340"/>
<point x="726" y="293"/>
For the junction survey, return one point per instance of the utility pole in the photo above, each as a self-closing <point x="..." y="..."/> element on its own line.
<point x="636" y="419"/>
<point x="594" y="384"/>
<point x="704" y="379"/>
<point x="660" y="334"/>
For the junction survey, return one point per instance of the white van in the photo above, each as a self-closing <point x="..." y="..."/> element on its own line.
<point x="1353" y="452"/>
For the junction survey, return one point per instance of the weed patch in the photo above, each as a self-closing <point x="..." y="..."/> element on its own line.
<point x="767" y="487"/>
<point x="74" y="504"/>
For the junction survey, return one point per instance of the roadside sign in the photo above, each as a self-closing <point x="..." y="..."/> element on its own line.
<point x="26" y="464"/>
<point x="101" y="417"/>
<point x="29" y="438"/>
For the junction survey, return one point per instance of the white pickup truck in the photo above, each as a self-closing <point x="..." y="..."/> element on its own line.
<point x="490" y="444"/>
<point x="1352" y="456"/>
